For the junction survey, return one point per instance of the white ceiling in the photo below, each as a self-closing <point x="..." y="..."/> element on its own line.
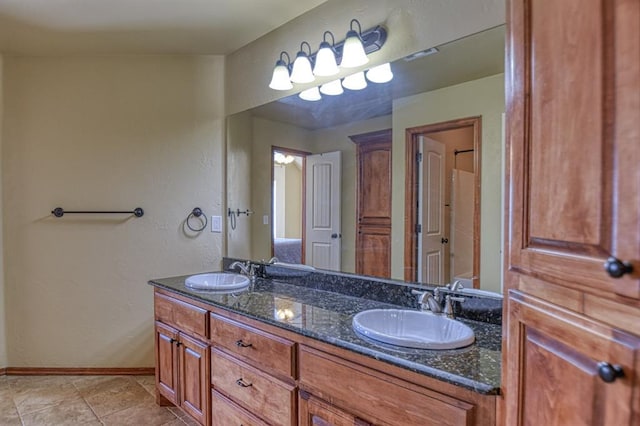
<point x="49" y="27"/>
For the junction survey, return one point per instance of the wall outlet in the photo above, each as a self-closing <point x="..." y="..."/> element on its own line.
<point x="216" y="223"/>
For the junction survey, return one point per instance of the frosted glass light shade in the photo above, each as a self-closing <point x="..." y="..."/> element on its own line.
<point x="312" y="94"/>
<point x="355" y="81"/>
<point x="325" y="61"/>
<point x="380" y="74"/>
<point x="353" y="54"/>
<point x="280" y="78"/>
<point x="301" y="72"/>
<point x="333" y="88"/>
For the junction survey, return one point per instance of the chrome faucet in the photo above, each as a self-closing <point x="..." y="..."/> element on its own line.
<point x="428" y="301"/>
<point x="448" y="305"/>
<point x="246" y="268"/>
<point x="455" y="286"/>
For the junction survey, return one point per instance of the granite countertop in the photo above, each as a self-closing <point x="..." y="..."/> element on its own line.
<point x="327" y="315"/>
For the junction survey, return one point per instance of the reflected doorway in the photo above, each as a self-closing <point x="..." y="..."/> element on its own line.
<point x="288" y="204"/>
<point x="442" y="226"/>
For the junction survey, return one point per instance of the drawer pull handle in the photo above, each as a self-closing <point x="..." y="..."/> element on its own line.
<point x="241" y="382"/>
<point x="241" y="344"/>
<point x="609" y="373"/>
<point x="616" y="268"/>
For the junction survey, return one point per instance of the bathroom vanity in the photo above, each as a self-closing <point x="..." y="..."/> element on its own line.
<point x="283" y="352"/>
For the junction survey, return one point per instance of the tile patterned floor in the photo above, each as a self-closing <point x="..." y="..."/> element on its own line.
<point x="84" y="400"/>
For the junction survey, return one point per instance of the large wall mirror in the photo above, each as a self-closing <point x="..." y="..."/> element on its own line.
<point x="399" y="180"/>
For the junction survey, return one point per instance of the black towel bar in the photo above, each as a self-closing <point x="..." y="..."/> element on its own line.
<point x="59" y="212"/>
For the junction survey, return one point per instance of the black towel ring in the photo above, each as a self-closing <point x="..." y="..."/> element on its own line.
<point x="197" y="212"/>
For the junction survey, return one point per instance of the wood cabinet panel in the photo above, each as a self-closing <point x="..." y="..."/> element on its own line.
<point x="187" y="318"/>
<point x="194" y="378"/>
<point x="258" y="392"/>
<point x="315" y="412"/>
<point x="373" y="239"/>
<point x="380" y="398"/>
<point x="225" y="412"/>
<point x="553" y="376"/>
<point x="572" y="87"/>
<point x="166" y="362"/>
<point x="275" y="354"/>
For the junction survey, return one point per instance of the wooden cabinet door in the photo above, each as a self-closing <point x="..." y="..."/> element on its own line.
<point x="316" y="412"/>
<point x="573" y="107"/>
<point x="166" y="362"/>
<point x="554" y="369"/>
<point x="194" y="378"/>
<point x="373" y="239"/>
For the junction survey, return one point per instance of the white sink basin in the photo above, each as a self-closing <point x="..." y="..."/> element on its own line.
<point x="217" y="281"/>
<point x="413" y="329"/>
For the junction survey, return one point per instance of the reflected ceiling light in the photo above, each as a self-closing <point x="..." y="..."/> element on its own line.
<point x="280" y="158"/>
<point x="326" y="58"/>
<point x="312" y="94"/>
<point x="280" y="79"/>
<point x="301" y="72"/>
<point x="355" y="81"/>
<point x="380" y="74"/>
<point x="332" y="88"/>
<point x="353" y="54"/>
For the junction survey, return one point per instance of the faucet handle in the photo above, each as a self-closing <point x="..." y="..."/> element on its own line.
<point x="448" y="305"/>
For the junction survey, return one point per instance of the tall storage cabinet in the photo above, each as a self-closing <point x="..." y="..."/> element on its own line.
<point x="572" y="349"/>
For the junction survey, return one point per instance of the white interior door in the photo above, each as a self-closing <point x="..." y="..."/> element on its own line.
<point x="431" y="212"/>
<point x="323" y="230"/>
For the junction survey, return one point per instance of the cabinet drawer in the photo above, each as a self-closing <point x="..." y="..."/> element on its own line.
<point x="185" y="317"/>
<point x="256" y="347"/>
<point x="375" y="396"/>
<point x="225" y="412"/>
<point x="254" y="390"/>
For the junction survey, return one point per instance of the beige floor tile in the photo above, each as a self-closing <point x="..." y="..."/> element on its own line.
<point x="189" y="421"/>
<point x="148" y="414"/>
<point x="89" y="385"/>
<point x="178" y="412"/>
<point x="30" y="399"/>
<point x="68" y="412"/>
<point x="117" y="398"/>
<point x="8" y="412"/>
<point x="175" y="422"/>
<point x="30" y="382"/>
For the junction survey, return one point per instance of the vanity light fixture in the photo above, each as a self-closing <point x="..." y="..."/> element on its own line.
<point x="332" y="88"/>
<point x="281" y="80"/>
<point x="301" y="72"/>
<point x="380" y="74"/>
<point x="355" y="81"/>
<point x="312" y="94"/>
<point x="326" y="64"/>
<point x="353" y="54"/>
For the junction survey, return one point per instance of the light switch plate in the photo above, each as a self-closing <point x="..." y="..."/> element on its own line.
<point x="265" y="219"/>
<point x="216" y="223"/>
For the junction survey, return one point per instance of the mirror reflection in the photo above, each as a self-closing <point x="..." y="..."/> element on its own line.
<point x="338" y="183"/>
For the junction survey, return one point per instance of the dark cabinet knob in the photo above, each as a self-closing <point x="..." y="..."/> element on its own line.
<point x="609" y="373"/>
<point x="615" y="268"/>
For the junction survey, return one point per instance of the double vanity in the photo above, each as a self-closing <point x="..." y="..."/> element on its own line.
<point x="295" y="347"/>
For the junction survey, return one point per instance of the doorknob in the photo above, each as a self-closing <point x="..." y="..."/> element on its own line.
<point x="334" y="236"/>
<point x="444" y="240"/>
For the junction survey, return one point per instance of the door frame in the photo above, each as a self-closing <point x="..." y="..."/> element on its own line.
<point x="297" y="153"/>
<point x="411" y="192"/>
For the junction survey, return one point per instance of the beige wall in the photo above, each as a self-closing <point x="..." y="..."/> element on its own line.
<point x="412" y="25"/>
<point x="239" y="173"/>
<point x="485" y="98"/>
<point x="3" y="306"/>
<point x="293" y="201"/>
<point x="104" y="133"/>
<point x="266" y="134"/>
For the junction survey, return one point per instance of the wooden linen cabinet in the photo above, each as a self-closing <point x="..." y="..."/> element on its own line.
<point x="373" y="237"/>
<point x="572" y="266"/>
